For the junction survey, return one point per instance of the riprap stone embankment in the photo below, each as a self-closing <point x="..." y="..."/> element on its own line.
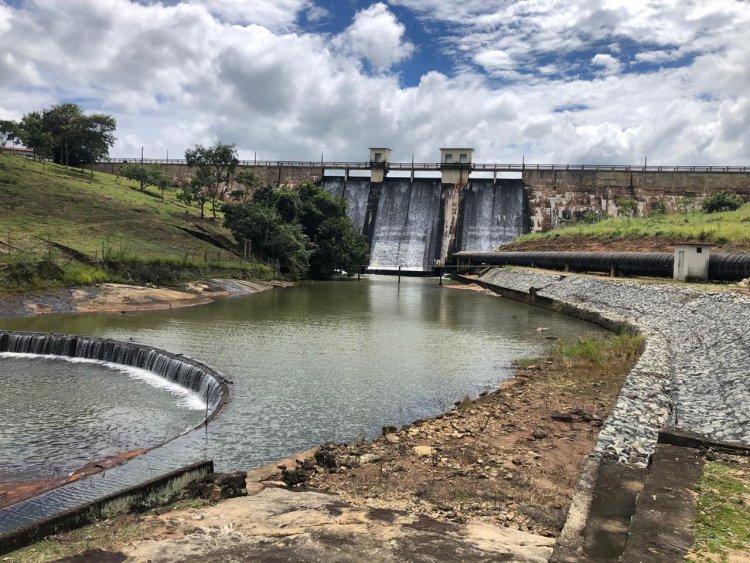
<point x="694" y="373"/>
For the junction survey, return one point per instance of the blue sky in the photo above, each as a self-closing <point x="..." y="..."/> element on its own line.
<point x="567" y="81"/>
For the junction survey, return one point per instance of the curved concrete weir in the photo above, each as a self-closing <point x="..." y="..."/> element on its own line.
<point x="186" y="372"/>
<point x="182" y="450"/>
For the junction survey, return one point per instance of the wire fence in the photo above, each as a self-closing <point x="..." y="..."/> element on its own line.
<point x="21" y="248"/>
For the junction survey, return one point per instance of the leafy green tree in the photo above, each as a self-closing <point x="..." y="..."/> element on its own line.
<point x="200" y="188"/>
<point x="144" y="174"/>
<point x="338" y="246"/>
<point x="61" y="123"/>
<point x="9" y="132"/>
<point x="307" y="230"/>
<point x="32" y="134"/>
<point x="317" y="205"/>
<point x="94" y="136"/>
<point x="248" y="181"/>
<point x="722" y="201"/>
<point x="68" y="136"/>
<point x="685" y="205"/>
<point x="217" y="162"/>
<point x="272" y="238"/>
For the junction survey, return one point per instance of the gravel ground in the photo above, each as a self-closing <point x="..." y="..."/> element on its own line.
<point x="694" y="373"/>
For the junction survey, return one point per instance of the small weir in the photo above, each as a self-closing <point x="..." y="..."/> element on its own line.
<point x="181" y="370"/>
<point x="181" y="451"/>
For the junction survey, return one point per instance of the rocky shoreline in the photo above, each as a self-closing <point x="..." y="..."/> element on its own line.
<point x="693" y="374"/>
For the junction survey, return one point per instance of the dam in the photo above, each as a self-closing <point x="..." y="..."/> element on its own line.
<point x="416" y="215"/>
<point x="416" y="224"/>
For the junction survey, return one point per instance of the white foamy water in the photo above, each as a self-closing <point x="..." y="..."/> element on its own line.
<point x="184" y="397"/>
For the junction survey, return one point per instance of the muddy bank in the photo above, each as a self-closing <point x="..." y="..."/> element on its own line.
<point x="114" y="298"/>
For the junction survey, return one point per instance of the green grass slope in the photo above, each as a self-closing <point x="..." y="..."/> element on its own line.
<point x="103" y="217"/>
<point x="729" y="230"/>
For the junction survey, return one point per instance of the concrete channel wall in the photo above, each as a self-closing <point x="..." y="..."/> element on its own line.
<point x="146" y="495"/>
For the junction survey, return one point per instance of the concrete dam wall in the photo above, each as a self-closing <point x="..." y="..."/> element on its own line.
<point x="412" y="224"/>
<point x="434" y="217"/>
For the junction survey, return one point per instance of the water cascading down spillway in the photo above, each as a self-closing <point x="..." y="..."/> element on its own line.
<point x="356" y="192"/>
<point x="492" y="214"/>
<point x="406" y="230"/>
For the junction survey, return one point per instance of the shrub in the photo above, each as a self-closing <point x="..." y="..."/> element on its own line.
<point x="658" y="208"/>
<point x="722" y="201"/>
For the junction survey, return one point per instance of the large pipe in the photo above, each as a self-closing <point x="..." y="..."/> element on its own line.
<point x="723" y="267"/>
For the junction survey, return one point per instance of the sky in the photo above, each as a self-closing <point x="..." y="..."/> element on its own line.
<point x="547" y="81"/>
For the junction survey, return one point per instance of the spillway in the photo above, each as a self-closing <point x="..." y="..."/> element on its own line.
<point x="356" y="192"/>
<point x="412" y="223"/>
<point x="492" y="214"/>
<point x="406" y="231"/>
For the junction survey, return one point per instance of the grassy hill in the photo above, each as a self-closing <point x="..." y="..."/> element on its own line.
<point x="729" y="231"/>
<point x="50" y="213"/>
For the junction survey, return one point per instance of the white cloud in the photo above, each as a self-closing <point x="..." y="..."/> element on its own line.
<point x="316" y="13"/>
<point x="610" y="64"/>
<point x="176" y="75"/>
<point x="493" y="59"/>
<point x="274" y="14"/>
<point x="377" y="36"/>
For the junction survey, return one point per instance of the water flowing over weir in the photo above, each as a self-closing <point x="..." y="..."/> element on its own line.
<point x="492" y="214"/>
<point x="412" y="223"/>
<point x="407" y="225"/>
<point x="356" y="192"/>
<point x="183" y="450"/>
<point x="187" y="373"/>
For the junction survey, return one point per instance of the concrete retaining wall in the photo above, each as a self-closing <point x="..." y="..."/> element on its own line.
<point x="141" y="497"/>
<point x="559" y="195"/>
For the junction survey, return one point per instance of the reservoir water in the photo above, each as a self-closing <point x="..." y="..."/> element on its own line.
<point x="322" y="361"/>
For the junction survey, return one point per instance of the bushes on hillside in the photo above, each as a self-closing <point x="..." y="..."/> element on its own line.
<point x="722" y="201"/>
<point x="307" y="231"/>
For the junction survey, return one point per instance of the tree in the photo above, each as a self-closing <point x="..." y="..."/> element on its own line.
<point x="217" y="162"/>
<point x="68" y="136"/>
<point x="9" y="132"/>
<point x="199" y="187"/>
<point x="248" y="181"/>
<point x="144" y="174"/>
<point x="627" y="207"/>
<point x="722" y="201"/>
<point x="60" y="122"/>
<point x="32" y="134"/>
<point x="685" y="205"/>
<point x="272" y="237"/>
<point x="338" y="246"/>
<point x="94" y="135"/>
